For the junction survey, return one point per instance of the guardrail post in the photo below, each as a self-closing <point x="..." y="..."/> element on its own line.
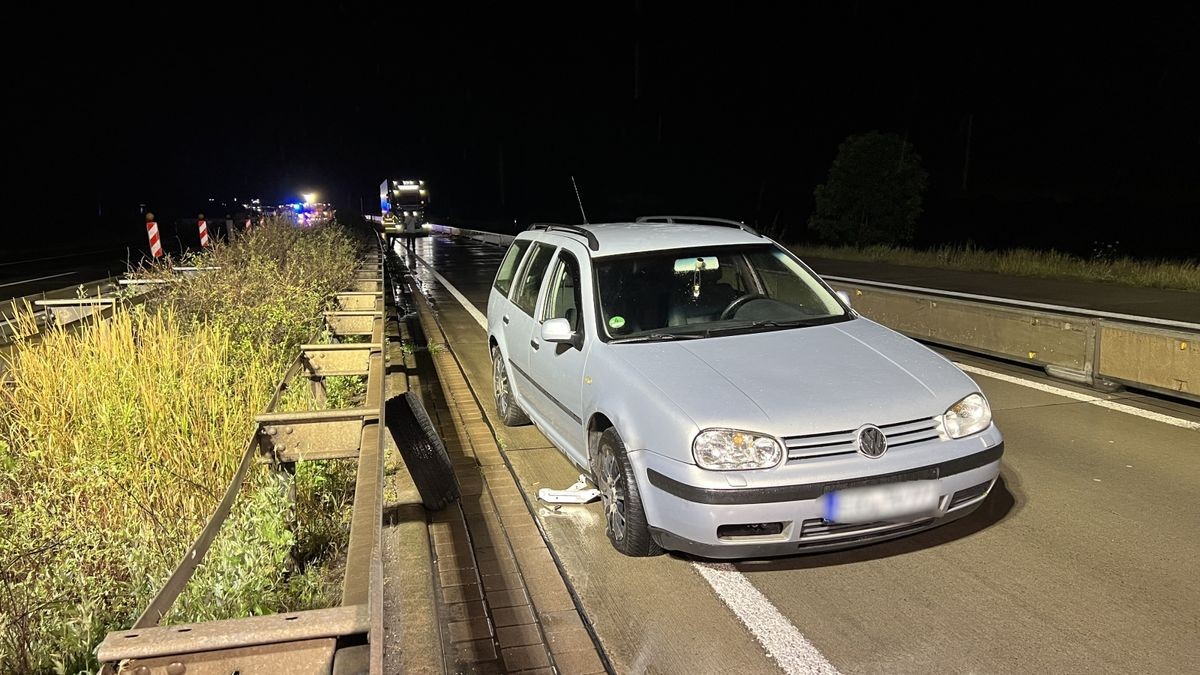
<point x="284" y="474"/>
<point x="1092" y="365"/>
<point x="316" y="385"/>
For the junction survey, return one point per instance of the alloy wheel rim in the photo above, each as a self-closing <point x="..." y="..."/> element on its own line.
<point x="612" y="493"/>
<point x="500" y="385"/>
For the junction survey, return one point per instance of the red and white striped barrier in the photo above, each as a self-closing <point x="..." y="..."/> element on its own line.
<point x="203" y="232"/>
<point x="152" y="232"/>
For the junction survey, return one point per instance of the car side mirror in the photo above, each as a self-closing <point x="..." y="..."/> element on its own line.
<point x="845" y="297"/>
<point x="557" y="330"/>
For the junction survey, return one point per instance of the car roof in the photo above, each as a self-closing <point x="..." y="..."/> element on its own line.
<point x="625" y="238"/>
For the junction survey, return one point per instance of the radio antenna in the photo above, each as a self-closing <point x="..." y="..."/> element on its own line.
<point x="577" y="199"/>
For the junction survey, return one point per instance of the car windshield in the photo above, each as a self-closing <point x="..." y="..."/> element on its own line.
<point x="712" y="291"/>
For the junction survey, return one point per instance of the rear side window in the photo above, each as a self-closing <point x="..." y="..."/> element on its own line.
<point x="530" y="282"/>
<point x="508" y="266"/>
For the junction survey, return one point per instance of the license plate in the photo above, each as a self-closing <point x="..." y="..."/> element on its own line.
<point x="882" y="502"/>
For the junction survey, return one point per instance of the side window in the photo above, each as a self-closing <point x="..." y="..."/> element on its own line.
<point x="788" y="282"/>
<point x="733" y="273"/>
<point x="508" y="266"/>
<point x="526" y="293"/>
<point x="563" y="299"/>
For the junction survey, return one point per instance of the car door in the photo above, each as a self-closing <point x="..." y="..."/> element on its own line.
<point x="517" y="323"/>
<point x="557" y="368"/>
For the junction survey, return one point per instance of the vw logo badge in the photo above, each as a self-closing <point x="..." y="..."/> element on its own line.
<point x="871" y="441"/>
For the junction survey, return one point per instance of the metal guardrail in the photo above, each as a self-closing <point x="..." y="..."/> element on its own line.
<point x="477" y="235"/>
<point x="1097" y="348"/>
<point x="64" y="307"/>
<point x="343" y="639"/>
<point x="45" y="306"/>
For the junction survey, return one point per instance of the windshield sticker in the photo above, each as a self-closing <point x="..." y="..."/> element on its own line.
<point x="616" y="322"/>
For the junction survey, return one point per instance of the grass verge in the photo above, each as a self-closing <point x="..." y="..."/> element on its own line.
<point x="116" y="442"/>
<point x="1183" y="275"/>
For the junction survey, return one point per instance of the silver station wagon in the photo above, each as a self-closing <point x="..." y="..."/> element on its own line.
<point x="725" y="401"/>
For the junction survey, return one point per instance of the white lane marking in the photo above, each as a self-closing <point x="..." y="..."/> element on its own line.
<point x="26" y="281"/>
<point x="782" y="640"/>
<point x="1086" y="398"/>
<point x="475" y="313"/>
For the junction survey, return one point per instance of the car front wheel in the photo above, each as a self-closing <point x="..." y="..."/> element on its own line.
<point x="624" y="517"/>
<point x="506" y="406"/>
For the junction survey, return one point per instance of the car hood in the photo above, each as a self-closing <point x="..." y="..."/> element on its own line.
<point x="801" y="381"/>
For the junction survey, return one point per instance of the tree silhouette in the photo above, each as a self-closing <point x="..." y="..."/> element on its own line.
<point x="873" y="194"/>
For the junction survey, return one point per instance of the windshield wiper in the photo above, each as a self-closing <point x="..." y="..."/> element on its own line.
<point x="767" y="323"/>
<point x="658" y="337"/>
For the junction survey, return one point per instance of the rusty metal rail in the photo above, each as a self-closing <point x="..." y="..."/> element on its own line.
<point x="343" y="639"/>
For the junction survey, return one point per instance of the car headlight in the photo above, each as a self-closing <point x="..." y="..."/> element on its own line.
<point x="729" y="449"/>
<point x="968" y="416"/>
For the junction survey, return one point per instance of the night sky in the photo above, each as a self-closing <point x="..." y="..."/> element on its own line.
<point x="1084" y="125"/>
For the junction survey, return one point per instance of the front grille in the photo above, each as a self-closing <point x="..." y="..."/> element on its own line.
<point x="819" y="531"/>
<point x="832" y="444"/>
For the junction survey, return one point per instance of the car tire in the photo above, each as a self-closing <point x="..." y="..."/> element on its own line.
<point x="624" y="517"/>
<point x="507" y="408"/>
<point x="423" y="452"/>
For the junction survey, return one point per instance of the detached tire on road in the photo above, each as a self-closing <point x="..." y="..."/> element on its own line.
<point x="422" y="451"/>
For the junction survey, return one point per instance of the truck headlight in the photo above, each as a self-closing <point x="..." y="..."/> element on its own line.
<point x="729" y="449"/>
<point x="968" y="416"/>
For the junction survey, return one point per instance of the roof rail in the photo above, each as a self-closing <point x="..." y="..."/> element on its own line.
<point x="699" y="220"/>
<point x="593" y="242"/>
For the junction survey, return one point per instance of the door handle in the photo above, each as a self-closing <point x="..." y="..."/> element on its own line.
<point x="535" y="344"/>
<point x="505" y="319"/>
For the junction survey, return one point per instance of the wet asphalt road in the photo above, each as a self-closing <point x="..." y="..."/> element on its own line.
<point x="35" y="276"/>
<point x="1081" y="560"/>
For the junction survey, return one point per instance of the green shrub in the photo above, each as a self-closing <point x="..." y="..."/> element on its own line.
<point x="117" y="441"/>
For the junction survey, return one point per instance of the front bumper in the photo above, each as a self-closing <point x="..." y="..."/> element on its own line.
<point x="688" y="517"/>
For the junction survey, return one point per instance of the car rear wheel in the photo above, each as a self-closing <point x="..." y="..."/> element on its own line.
<point x="624" y="518"/>
<point x="506" y="406"/>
